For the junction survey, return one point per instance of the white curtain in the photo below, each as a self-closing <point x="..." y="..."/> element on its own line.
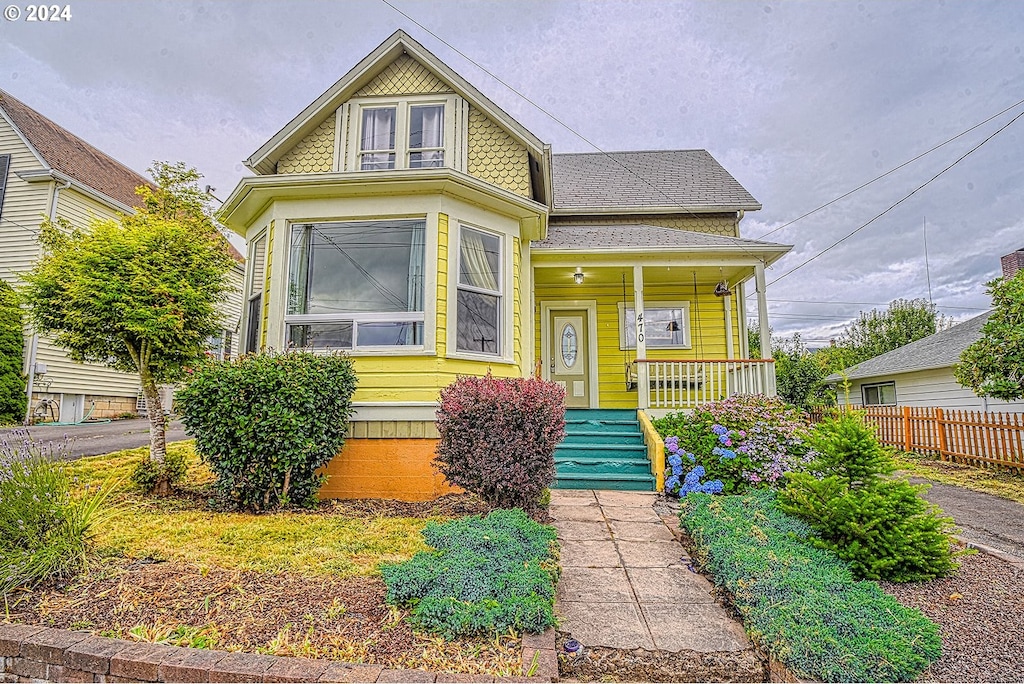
<point x="417" y="249"/>
<point x="476" y="268"/>
<point x="379" y="129"/>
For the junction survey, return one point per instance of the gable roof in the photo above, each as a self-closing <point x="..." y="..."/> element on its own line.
<point x="940" y="350"/>
<point x="643" y="236"/>
<point x="265" y="158"/>
<point x="68" y="154"/>
<point x="673" y="181"/>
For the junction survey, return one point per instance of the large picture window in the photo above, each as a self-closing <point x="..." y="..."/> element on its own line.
<point x="478" y="315"/>
<point x="356" y="284"/>
<point x="667" y="325"/>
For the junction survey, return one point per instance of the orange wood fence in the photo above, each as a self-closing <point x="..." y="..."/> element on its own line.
<point x="972" y="437"/>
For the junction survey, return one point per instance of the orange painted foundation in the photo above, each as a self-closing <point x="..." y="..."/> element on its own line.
<point x="401" y="469"/>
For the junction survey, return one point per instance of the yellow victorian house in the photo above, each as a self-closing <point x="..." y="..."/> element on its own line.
<point x="406" y="219"/>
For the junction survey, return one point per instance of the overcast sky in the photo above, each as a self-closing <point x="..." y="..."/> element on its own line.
<point x="800" y="101"/>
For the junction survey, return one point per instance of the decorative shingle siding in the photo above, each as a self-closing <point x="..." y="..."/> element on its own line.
<point x="404" y="76"/>
<point x="715" y="224"/>
<point x="314" y="153"/>
<point x="496" y="157"/>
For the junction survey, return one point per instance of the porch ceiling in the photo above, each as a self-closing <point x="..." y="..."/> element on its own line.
<point x="707" y="276"/>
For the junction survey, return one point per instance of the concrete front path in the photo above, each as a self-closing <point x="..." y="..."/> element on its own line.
<point x="627" y="583"/>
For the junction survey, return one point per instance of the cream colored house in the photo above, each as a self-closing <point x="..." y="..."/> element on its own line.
<point x="48" y="172"/>
<point x="405" y="218"/>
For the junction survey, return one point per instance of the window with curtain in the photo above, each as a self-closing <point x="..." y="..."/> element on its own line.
<point x="426" y="136"/>
<point x="478" y="314"/>
<point x="356" y="284"/>
<point x="377" y="147"/>
<point x="667" y="325"/>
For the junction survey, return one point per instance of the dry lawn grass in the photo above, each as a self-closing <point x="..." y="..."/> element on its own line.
<point x="1004" y="483"/>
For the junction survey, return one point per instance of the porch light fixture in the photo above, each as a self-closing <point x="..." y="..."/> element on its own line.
<point x="722" y="289"/>
<point x="578" y="276"/>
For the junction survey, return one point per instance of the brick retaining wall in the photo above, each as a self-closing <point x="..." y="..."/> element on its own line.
<point x="29" y="653"/>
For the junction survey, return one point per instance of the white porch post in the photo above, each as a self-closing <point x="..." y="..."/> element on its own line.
<point x="762" y="319"/>
<point x="730" y="352"/>
<point x="642" y="378"/>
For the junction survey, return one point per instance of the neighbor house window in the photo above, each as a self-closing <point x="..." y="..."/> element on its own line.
<point x="5" y="165"/>
<point x="257" y="274"/>
<point x="666" y="325"/>
<point x="879" y="394"/>
<point x="402" y="134"/>
<point x="356" y="285"/>
<point x="478" y="315"/>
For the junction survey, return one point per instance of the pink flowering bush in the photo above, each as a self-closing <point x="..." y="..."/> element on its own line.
<point x="742" y="441"/>
<point x="498" y="437"/>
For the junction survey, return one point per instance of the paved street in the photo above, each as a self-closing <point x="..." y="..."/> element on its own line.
<point x="983" y="518"/>
<point x="91" y="439"/>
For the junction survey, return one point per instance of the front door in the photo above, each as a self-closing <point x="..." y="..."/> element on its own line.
<point x="569" y="354"/>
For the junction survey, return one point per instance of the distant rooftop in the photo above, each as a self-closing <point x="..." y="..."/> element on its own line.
<point x="66" y="152"/>
<point x="686" y="180"/>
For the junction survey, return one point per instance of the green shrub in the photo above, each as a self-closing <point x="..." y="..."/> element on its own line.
<point x="148" y="472"/>
<point x="801" y="603"/>
<point x="266" y="422"/>
<point x="12" y="347"/>
<point x="44" y="529"/>
<point x="485" y="575"/>
<point x="880" y="525"/>
<point x="498" y="437"/>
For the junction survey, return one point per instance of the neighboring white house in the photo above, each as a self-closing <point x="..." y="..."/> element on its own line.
<point x="920" y="374"/>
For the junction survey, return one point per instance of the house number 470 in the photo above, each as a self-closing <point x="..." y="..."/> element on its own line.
<point x="640" y="327"/>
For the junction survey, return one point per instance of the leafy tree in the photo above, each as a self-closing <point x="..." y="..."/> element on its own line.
<point x="12" y="347"/>
<point x="876" y="332"/>
<point x="994" y="365"/>
<point x="138" y="293"/>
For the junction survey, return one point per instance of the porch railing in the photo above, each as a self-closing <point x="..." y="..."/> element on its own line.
<point x="683" y="384"/>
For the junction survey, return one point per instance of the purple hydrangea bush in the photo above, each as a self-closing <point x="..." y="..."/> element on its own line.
<point x="740" y="442"/>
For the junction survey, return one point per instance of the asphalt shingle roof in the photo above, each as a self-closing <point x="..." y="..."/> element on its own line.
<point x="689" y="179"/>
<point x="614" y="237"/>
<point x="66" y="152"/>
<point x="935" y="351"/>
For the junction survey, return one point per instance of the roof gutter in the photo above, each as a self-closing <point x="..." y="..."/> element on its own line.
<point x="665" y="209"/>
<point x="41" y="175"/>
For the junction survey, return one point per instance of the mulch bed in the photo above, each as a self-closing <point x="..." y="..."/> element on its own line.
<point x="980" y="612"/>
<point x="281" y="614"/>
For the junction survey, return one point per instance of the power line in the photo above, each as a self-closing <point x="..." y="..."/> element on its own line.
<point x="897" y="203"/>
<point x="815" y="301"/>
<point x="890" y="171"/>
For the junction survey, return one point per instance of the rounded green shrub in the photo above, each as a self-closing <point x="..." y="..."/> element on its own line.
<point x="265" y="423"/>
<point x="12" y="348"/>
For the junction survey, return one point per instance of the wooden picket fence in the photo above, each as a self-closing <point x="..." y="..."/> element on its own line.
<point x="972" y="437"/>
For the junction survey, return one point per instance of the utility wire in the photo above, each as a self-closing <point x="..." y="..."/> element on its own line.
<point x="897" y="203"/>
<point x="890" y="171"/>
<point x="817" y="301"/>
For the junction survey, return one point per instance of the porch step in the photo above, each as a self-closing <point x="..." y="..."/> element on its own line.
<point x="602" y="449"/>
<point x="618" y="481"/>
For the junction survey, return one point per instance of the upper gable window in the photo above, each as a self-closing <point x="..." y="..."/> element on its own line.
<point x="412" y="132"/>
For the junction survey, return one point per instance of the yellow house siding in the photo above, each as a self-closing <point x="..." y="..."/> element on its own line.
<point x="716" y="224"/>
<point x="314" y="153"/>
<point x="416" y="378"/>
<point x="707" y="332"/>
<point x="23" y="209"/>
<point x="496" y="157"/>
<point x="404" y="76"/>
<point x="393" y="429"/>
<point x="441" y="339"/>
<point x="266" y="285"/>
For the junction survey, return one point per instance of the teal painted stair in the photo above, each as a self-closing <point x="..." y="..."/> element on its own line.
<point x="602" y="449"/>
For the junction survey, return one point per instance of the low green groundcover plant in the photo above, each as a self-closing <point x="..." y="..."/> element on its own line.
<point x="801" y="603"/>
<point x="485" y="575"/>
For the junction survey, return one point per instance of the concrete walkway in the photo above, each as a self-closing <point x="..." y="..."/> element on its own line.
<point x="625" y="580"/>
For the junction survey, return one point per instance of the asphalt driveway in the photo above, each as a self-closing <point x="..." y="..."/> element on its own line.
<point x="91" y="439"/>
<point x="982" y="518"/>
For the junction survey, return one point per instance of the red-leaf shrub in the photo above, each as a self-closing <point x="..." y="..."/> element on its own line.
<point x="498" y="437"/>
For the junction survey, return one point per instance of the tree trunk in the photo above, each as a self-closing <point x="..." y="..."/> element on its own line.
<point x="157" y="433"/>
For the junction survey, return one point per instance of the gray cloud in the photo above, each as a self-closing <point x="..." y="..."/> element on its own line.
<point x="800" y="101"/>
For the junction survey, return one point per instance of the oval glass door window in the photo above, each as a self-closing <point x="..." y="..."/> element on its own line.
<point x="570" y="345"/>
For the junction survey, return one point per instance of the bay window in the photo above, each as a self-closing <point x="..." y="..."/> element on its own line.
<point x="356" y="284"/>
<point x="479" y="297"/>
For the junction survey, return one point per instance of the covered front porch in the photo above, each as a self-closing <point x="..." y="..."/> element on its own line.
<point x="659" y="332"/>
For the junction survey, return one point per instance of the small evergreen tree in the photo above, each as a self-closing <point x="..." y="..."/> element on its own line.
<point x="880" y="525"/>
<point x="12" y="348"/>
